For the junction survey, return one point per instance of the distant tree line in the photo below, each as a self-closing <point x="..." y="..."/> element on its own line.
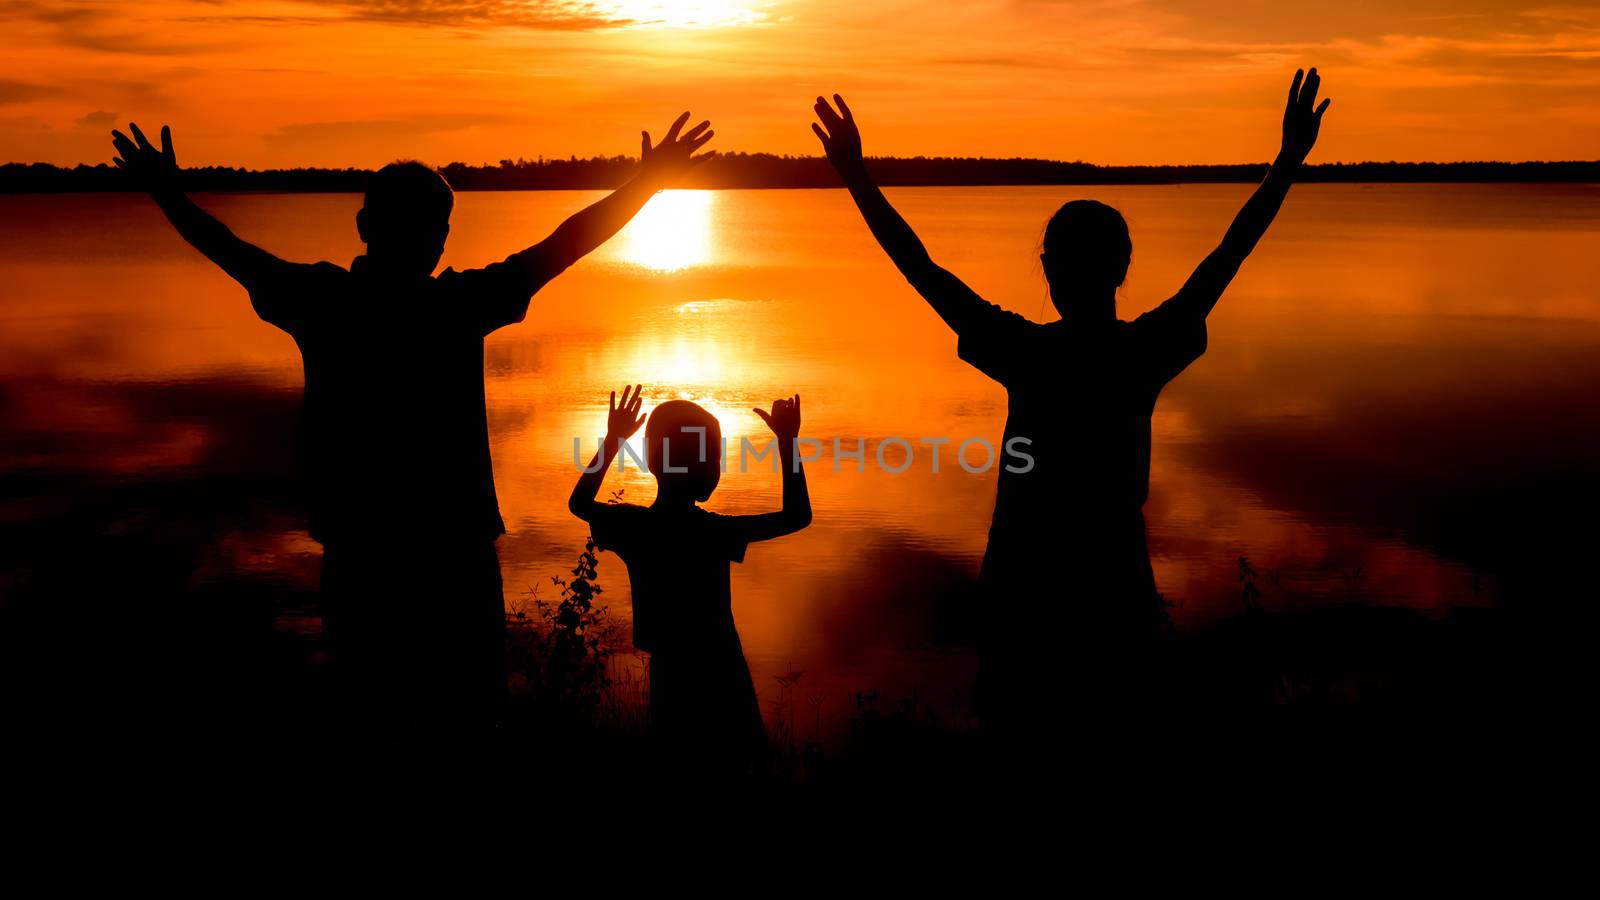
<point x="765" y="170"/>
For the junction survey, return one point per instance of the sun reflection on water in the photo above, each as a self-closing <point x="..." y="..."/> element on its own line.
<point x="699" y="364"/>
<point x="671" y="233"/>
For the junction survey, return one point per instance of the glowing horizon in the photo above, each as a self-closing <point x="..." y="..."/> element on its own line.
<point x="285" y="83"/>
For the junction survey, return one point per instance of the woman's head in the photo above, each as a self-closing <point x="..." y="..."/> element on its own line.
<point x="684" y="447"/>
<point x="1086" y="252"/>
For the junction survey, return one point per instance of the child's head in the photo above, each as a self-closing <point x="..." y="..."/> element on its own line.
<point x="405" y="217"/>
<point x="674" y="440"/>
<point x="1086" y="251"/>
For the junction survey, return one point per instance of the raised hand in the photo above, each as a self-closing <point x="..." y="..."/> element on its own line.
<point x="154" y="169"/>
<point x="624" y="420"/>
<point x="670" y="159"/>
<point x="841" y="139"/>
<point x="784" y="420"/>
<point x="1302" y="120"/>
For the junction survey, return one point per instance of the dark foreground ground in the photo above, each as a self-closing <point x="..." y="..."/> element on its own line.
<point x="116" y="673"/>
<point x="124" y="641"/>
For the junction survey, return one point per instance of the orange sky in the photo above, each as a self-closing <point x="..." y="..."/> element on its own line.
<point x="360" y="82"/>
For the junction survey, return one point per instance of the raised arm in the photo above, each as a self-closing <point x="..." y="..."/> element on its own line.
<point x="622" y="423"/>
<point x="949" y="296"/>
<point x="660" y="166"/>
<point x="784" y="420"/>
<point x="1301" y="120"/>
<point x="156" y="171"/>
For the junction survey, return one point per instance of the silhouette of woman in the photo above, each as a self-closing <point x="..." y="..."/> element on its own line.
<point x="1067" y="540"/>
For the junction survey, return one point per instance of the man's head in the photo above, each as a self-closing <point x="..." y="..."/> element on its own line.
<point x="1086" y="252"/>
<point x="406" y="217"/>
<point x="684" y="443"/>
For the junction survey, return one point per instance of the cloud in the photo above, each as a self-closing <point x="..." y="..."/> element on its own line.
<point x="103" y="28"/>
<point x="553" y="14"/>
<point x="22" y="91"/>
<point x="378" y="128"/>
<point x="474" y="13"/>
<point x="98" y="119"/>
<point x="376" y="141"/>
<point x="1181" y="47"/>
<point x="53" y="14"/>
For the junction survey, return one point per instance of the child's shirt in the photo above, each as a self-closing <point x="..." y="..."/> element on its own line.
<point x="678" y="563"/>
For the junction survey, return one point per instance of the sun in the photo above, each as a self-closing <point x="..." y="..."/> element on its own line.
<point x="685" y="13"/>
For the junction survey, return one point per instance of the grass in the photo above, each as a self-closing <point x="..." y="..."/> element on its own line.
<point x="573" y="667"/>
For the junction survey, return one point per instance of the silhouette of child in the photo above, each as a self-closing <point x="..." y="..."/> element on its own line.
<point x="395" y="445"/>
<point x="702" y="701"/>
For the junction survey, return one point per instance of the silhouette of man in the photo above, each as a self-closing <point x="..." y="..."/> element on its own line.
<point x="395" y="448"/>
<point x="1071" y="599"/>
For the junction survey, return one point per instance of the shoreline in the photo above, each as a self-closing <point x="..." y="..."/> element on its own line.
<point x="766" y="172"/>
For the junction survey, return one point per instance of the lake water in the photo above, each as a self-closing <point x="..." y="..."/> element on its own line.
<point x="1398" y="387"/>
